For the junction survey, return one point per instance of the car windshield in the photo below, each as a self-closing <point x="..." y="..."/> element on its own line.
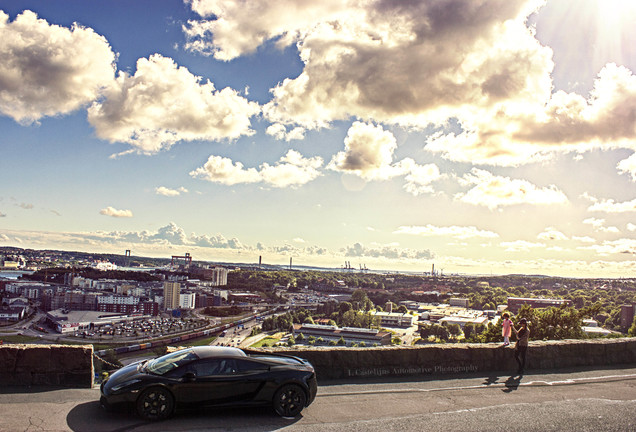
<point x="170" y="361"/>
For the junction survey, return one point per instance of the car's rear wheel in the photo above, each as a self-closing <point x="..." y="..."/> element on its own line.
<point x="289" y="400"/>
<point x="155" y="403"/>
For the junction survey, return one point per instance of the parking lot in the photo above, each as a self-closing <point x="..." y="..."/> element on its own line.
<point x="155" y="327"/>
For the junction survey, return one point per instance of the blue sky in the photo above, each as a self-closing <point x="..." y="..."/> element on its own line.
<point x="482" y="136"/>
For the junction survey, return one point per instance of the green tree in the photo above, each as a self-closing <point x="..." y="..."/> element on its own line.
<point x="632" y="329"/>
<point x="492" y="333"/>
<point x="341" y="341"/>
<point x="359" y="298"/>
<point x="344" y="307"/>
<point x="454" y="329"/>
<point x="436" y="330"/>
<point x="348" y="318"/>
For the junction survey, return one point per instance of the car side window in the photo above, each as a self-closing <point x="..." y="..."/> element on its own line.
<point x="244" y="366"/>
<point x="205" y="368"/>
<point x="214" y="367"/>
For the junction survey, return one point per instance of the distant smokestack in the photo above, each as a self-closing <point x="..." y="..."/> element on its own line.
<point x="259" y="260"/>
<point x="290" y="263"/>
<point x="433" y="269"/>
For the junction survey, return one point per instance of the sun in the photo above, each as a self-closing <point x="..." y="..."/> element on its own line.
<point x="616" y="32"/>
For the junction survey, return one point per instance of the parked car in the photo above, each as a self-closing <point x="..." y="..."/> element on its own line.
<point x="211" y="376"/>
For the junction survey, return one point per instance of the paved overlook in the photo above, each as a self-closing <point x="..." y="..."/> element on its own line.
<point x="562" y="400"/>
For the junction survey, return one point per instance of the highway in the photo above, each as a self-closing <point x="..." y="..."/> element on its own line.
<point x="572" y="400"/>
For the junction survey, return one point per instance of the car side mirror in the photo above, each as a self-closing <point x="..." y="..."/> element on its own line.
<point x="189" y="377"/>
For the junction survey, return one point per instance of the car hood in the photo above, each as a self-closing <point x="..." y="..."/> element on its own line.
<point x="124" y="374"/>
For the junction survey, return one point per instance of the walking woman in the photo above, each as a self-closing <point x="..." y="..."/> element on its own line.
<point x="522" y="344"/>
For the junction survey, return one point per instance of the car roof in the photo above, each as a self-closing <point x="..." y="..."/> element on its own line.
<point x="217" y="351"/>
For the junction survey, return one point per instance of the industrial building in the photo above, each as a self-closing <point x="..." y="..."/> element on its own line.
<point x="515" y="303"/>
<point x="349" y="334"/>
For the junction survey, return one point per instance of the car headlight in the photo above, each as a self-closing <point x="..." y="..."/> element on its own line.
<point x="125" y="384"/>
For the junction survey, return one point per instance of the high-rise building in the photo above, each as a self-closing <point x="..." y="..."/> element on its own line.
<point x="627" y="315"/>
<point x="171" y="291"/>
<point x="187" y="301"/>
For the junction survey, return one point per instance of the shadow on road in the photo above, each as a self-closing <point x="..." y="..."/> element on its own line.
<point x="90" y="417"/>
<point x="512" y="383"/>
<point x="490" y="380"/>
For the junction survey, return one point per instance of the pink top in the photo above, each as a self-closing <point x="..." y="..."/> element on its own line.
<point x="507" y="328"/>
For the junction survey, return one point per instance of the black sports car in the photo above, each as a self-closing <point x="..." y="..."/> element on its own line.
<point x="212" y="376"/>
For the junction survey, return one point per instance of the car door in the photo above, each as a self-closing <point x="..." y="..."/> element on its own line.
<point x="206" y="382"/>
<point x="250" y="377"/>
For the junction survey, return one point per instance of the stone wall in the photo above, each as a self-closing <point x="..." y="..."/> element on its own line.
<point x="46" y="365"/>
<point x="72" y="366"/>
<point x="442" y="359"/>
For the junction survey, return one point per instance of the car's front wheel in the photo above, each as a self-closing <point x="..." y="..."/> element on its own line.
<point x="155" y="403"/>
<point x="289" y="400"/>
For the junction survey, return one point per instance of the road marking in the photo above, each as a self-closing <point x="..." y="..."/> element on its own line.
<point x="537" y="383"/>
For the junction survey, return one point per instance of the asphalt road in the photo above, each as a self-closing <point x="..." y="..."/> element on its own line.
<point x="573" y="400"/>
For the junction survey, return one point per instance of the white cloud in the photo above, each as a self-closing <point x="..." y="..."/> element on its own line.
<point x="239" y="27"/>
<point x="520" y="246"/>
<point x="280" y="132"/>
<point x="374" y="61"/>
<point x="386" y="251"/>
<point x="162" y="190"/>
<point x="369" y="154"/>
<point x="551" y="234"/>
<point x="292" y="250"/>
<point x="562" y="122"/>
<point x="419" y="177"/>
<point x="163" y="103"/>
<point x="217" y="241"/>
<point x="49" y="70"/>
<point x="628" y="166"/>
<point x="556" y="249"/>
<point x="222" y="170"/>
<point x="393" y="62"/>
<point x="620" y="246"/>
<point x="171" y="233"/>
<point x="291" y="170"/>
<point x="110" y="211"/>
<point x="599" y="225"/>
<point x="459" y="232"/>
<point x="609" y="205"/>
<point x="631" y="227"/>
<point x="584" y="239"/>
<point x="496" y="191"/>
<point x="2" y="214"/>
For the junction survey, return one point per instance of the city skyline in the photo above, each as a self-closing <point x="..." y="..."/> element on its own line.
<point x="489" y="136"/>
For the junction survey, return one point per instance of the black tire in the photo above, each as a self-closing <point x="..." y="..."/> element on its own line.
<point x="289" y="400"/>
<point x="155" y="403"/>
